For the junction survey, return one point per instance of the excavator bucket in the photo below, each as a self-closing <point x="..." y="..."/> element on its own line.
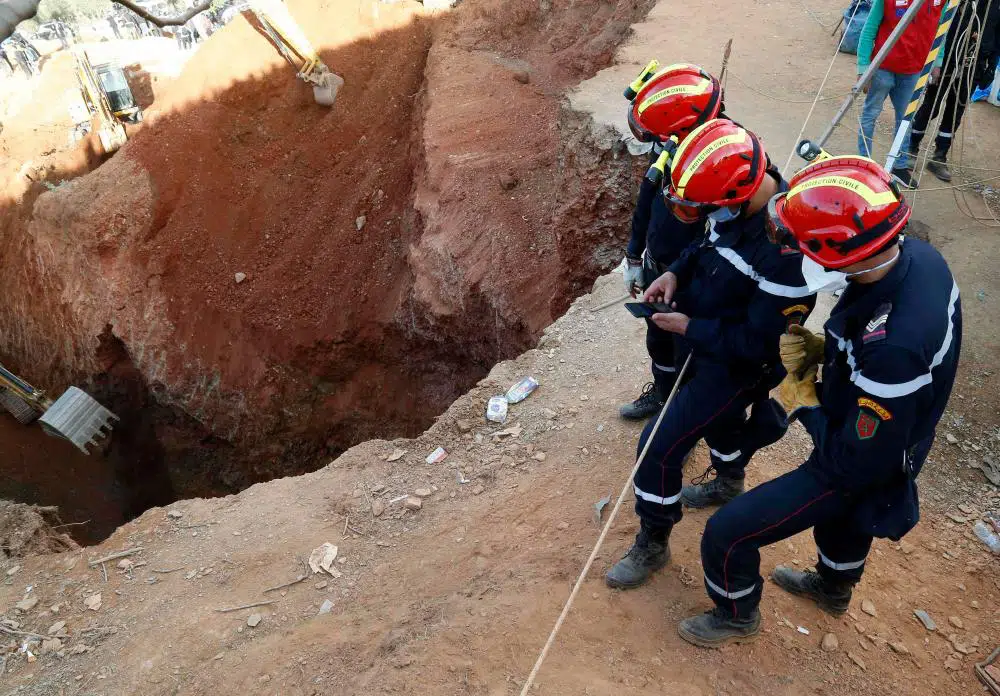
<point x="77" y="417"/>
<point x="325" y="88"/>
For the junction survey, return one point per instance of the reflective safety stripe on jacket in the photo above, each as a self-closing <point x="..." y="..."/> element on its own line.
<point x="892" y="350"/>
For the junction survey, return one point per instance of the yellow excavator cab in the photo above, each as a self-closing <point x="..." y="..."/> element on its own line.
<point x="98" y="106"/>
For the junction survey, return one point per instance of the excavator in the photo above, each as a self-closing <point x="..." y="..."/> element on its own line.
<point x="272" y="19"/>
<point x="107" y="101"/>
<point x="75" y="416"/>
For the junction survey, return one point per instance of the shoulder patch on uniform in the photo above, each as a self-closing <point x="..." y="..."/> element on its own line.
<point x="795" y="309"/>
<point x="875" y="328"/>
<point x="866" y="425"/>
<point x="875" y="406"/>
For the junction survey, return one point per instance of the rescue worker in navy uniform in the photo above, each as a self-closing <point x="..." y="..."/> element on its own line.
<point x="889" y="353"/>
<point x="671" y="103"/>
<point x="734" y="295"/>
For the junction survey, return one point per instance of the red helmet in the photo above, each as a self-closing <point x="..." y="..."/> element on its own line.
<point x="839" y="211"/>
<point x="673" y="102"/>
<point x="719" y="164"/>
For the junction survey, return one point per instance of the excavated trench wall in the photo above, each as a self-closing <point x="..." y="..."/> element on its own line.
<point x="390" y="249"/>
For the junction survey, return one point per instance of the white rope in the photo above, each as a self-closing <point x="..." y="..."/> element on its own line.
<point x="819" y="92"/>
<point x="600" y="540"/>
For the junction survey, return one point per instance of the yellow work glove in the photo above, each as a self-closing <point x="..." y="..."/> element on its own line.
<point x="800" y="349"/>
<point x="796" y="392"/>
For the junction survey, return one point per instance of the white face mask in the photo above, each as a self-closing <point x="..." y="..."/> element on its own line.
<point x="725" y="214"/>
<point x="819" y="279"/>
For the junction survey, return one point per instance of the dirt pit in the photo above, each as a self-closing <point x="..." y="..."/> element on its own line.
<point x="255" y="283"/>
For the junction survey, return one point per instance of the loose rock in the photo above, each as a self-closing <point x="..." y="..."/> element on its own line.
<point x="50" y="645"/>
<point x="378" y="507"/>
<point x="239" y="277"/>
<point x="522" y="76"/>
<point x="359" y="222"/>
<point x="956" y="622"/>
<point x="253" y="620"/>
<point x="93" y="602"/>
<point x="868" y="607"/>
<point x="27" y="604"/>
<point x="423" y="493"/>
<point x="321" y="585"/>
<point x="539" y="456"/>
<point x="175" y="514"/>
<point x="829" y="642"/>
<point x="413" y="503"/>
<point x="563" y="525"/>
<point x="326" y="607"/>
<point x="477" y="490"/>
<point x="463" y="425"/>
<point x="899" y="648"/>
<point x="57" y="627"/>
<point x="952" y="440"/>
<point x="507" y="181"/>
<point x="857" y="660"/>
<point x="952" y="663"/>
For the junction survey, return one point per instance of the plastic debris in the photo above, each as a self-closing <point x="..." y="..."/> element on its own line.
<point x="496" y="409"/>
<point x="599" y="508"/>
<point x="925" y="619"/>
<point x="987" y="536"/>
<point x="803" y="630"/>
<point x="322" y="558"/>
<point x="520" y="391"/>
<point x="437" y="455"/>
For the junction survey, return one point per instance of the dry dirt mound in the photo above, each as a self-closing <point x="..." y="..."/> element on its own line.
<point x="31" y="530"/>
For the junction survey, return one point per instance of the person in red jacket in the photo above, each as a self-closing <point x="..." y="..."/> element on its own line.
<point x="897" y="76"/>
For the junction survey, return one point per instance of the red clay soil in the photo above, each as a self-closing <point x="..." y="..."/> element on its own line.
<point x="394" y="247"/>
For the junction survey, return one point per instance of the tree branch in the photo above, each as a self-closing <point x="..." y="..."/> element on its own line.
<point x="165" y="21"/>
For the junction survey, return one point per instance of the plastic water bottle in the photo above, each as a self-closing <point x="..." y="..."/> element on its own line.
<point x="987" y="536"/>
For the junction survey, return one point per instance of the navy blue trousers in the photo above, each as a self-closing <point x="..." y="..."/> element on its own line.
<point x="712" y="404"/>
<point x="776" y="510"/>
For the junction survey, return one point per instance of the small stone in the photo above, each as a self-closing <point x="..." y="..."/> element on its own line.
<point x="521" y="76"/>
<point x="857" y="660"/>
<point x="11" y="572"/>
<point x="219" y="656"/>
<point x="868" y="607"/>
<point x="507" y="181"/>
<point x="925" y="619"/>
<point x="956" y="622"/>
<point x="952" y="440"/>
<point x="50" y="645"/>
<point x="321" y="585"/>
<point x="126" y="564"/>
<point x="563" y="525"/>
<point x="378" y="507"/>
<point x="906" y="548"/>
<point x="952" y="663"/>
<point x="974" y="604"/>
<point x="829" y="643"/>
<point x="538" y="456"/>
<point x="57" y="627"/>
<point x="412" y="502"/>
<point x="175" y="514"/>
<point x="28" y="603"/>
<point x="326" y="607"/>
<point x="93" y="602"/>
<point x="253" y="620"/>
<point x="864" y="643"/>
<point x="478" y="490"/>
<point x="967" y="509"/>
<point x="239" y="277"/>
<point x="860" y="628"/>
<point x="402" y="661"/>
<point x="80" y="649"/>
<point x="423" y="493"/>
<point x="899" y="648"/>
<point x="463" y="425"/>
<point x="956" y="518"/>
<point x="359" y="221"/>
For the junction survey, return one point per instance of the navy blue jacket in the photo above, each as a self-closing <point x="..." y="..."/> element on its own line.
<point x="891" y="355"/>
<point x="741" y="293"/>
<point x="655" y="229"/>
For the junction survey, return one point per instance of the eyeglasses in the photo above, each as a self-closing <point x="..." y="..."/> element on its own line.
<point x="777" y="231"/>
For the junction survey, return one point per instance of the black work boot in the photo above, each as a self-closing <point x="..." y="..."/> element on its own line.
<point x="717" y="627"/>
<point x="938" y="166"/>
<point x="648" y="404"/>
<point x="718" y="491"/>
<point x="648" y="554"/>
<point x="833" y="598"/>
<point x="905" y="178"/>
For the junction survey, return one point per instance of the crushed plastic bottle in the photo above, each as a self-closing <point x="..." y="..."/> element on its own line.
<point x="987" y="536"/>
<point x="519" y="392"/>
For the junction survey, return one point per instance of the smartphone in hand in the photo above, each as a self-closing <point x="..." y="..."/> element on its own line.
<point x="645" y="310"/>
